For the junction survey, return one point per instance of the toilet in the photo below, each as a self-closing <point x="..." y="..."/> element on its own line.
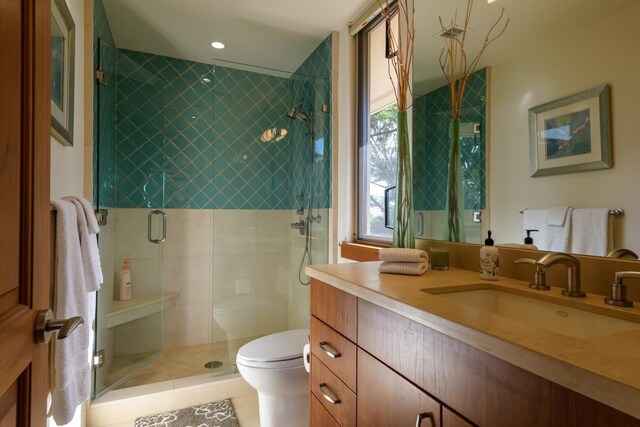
<point x="274" y="366"/>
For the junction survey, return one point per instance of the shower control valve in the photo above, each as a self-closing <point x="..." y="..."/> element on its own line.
<point x="301" y="226"/>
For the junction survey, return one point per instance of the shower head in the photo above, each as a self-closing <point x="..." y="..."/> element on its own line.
<point x="293" y="114"/>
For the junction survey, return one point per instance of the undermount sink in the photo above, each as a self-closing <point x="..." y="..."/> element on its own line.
<point x="553" y="317"/>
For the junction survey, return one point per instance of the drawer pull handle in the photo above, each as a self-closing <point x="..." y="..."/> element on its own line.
<point x="331" y="352"/>
<point x="328" y="394"/>
<point x="423" y="416"/>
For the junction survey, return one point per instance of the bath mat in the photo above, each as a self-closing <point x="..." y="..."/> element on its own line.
<point x="213" y="414"/>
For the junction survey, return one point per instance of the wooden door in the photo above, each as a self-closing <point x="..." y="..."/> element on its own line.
<point x="387" y="399"/>
<point x="24" y="208"/>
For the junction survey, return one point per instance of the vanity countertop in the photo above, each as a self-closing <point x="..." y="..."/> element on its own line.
<point x="606" y="369"/>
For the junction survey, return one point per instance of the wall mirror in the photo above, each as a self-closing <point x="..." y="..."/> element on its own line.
<point x="551" y="50"/>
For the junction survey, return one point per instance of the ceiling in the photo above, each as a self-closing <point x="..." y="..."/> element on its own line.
<point x="280" y="34"/>
<point x="532" y="22"/>
<point x="277" y="34"/>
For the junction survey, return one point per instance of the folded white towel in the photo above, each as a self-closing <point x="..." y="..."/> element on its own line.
<point x="557" y="215"/>
<point x="408" y="268"/>
<point x="403" y="255"/>
<point x="590" y="231"/>
<point x="558" y="237"/>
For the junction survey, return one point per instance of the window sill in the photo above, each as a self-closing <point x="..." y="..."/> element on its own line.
<point x="361" y="251"/>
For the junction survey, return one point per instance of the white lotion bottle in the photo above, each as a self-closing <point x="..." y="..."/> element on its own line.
<point x="489" y="260"/>
<point x="125" y="293"/>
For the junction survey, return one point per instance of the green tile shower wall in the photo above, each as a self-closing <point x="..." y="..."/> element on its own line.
<point x="183" y="142"/>
<point x="311" y="83"/>
<point x="431" y="117"/>
<point x="249" y="173"/>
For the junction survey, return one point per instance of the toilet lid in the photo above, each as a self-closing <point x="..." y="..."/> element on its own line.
<point x="274" y="348"/>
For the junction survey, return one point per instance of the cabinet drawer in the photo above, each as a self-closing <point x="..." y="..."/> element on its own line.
<point x="451" y="419"/>
<point x="325" y="386"/>
<point x="334" y="307"/>
<point x="335" y="351"/>
<point x="320" y="417"/>
<point x="387" y="399"/>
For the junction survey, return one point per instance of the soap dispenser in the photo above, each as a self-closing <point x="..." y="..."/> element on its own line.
<point x="528" y="241"/>
<point x="489" y="260"/>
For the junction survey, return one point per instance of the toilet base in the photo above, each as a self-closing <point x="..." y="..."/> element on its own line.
<point x="284" y="411"/>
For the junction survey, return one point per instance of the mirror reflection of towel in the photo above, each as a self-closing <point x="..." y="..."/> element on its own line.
<point x="549" y="237"/>
<point x="590" y="231"/>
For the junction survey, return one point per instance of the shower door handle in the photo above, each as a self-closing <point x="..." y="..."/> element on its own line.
<point x="164" y="227"/>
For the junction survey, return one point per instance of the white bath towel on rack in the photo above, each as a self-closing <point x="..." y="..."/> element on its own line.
<point x="72" y="380"/>
<point x="590" y="233"/>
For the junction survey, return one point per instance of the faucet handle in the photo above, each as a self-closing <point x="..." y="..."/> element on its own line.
<point x="539" y="276"/>
<point x="619" y="289"/>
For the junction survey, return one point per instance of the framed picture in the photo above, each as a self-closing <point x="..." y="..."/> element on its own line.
<point x="62" y="71"/>
<point x="572" y="134"/>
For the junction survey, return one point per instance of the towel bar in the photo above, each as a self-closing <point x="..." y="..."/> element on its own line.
<point x="617" y="212"/>
<point x="101" y="215"/>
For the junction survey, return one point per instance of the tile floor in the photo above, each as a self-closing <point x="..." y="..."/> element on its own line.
<point x="120" y="408"/>
<point x="175" y="363"/>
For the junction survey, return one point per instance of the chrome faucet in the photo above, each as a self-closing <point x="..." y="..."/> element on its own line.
<point x="573" y="271"/>
<point x="619" y="289"/>
<point x="539" y="276"/>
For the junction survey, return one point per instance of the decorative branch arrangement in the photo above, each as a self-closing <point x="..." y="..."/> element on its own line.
<point x="457" y="68"/>
<point x="453" y="59"/>
<point x="401" y="47"/>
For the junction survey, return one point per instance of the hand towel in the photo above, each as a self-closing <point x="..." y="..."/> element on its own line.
<point x="555" y="238"/>
<point x="88" y="229"/>
<point x="590" y="231"/>
<point x="403" y="255"/>
<point x="557" y="215"/>
<point x="408" y="268"/>
<point x="559" y="236"/>
<point x="72" y="370"/>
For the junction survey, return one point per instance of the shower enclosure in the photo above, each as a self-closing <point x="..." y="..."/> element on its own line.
<point x="203" y="174"/>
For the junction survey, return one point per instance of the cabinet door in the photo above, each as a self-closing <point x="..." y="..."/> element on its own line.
<point x="320" y="417"/>
<point x="387" y="399"/>
<point x="334" y="307"/>
<point x="451" y="419"/>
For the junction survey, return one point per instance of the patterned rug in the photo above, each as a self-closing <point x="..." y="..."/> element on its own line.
<point x="213" y="414"/>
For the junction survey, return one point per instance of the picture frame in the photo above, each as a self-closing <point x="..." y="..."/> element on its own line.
<point x="63" y="34"/>
<point x="572" y="134"/>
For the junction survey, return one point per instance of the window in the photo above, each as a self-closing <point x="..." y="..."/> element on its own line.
<point x="377" y="134"/>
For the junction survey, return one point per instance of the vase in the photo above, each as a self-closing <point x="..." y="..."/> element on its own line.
<point x="403" y="234"/>
<point x="455" y="188"/>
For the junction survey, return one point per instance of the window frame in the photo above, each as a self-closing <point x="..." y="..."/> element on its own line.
<point x="362" y="120"/>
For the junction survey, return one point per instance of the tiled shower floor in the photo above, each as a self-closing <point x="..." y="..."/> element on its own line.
<point x="178" y="362"/>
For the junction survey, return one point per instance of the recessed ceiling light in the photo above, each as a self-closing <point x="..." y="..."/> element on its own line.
<point x="217" y="45"/>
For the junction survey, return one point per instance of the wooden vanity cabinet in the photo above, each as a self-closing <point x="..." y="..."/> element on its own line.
<point x="484" y="389"/>
<point x="333" y="356"/>
<point x="387" y="399"/>
<point x="391" y="369"/>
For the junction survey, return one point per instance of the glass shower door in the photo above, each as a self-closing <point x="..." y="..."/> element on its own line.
<point x="129" y="186"/>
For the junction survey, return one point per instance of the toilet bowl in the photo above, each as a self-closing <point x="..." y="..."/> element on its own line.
<point x="274" y="366"/>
